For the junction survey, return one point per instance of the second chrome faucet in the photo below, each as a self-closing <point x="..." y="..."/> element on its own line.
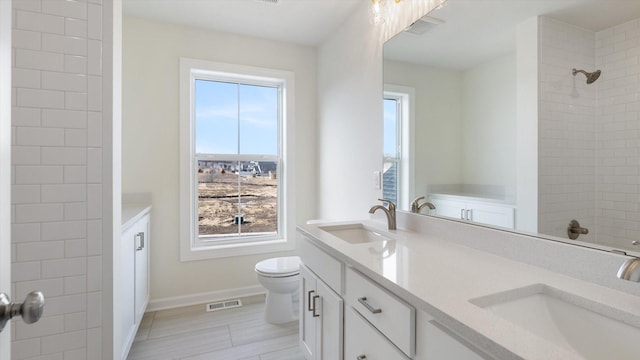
<point x="390" y="212"/>
<point x="416" y="207"/>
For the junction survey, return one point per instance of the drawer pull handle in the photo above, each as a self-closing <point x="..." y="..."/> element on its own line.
<point x="314" y="306"/>
<point x="363" y="301"/>
<point x="361" y="357"/>
<point x="309" y="306"/>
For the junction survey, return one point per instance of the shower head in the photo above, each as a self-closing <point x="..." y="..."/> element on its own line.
<point x="591" y="76"/>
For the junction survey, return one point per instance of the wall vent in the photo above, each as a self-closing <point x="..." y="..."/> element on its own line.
<point x="269" y="1"/>
<point x="222" y="305"/>
<point x="421" y="26"/>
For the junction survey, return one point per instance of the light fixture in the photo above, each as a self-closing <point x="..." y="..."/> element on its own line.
<point x="380" y="10"/>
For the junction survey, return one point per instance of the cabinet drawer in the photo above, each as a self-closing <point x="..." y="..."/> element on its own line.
<point x="362" y="341"/>
<point x="322" y="264"/>
<point x="394" y="318"/>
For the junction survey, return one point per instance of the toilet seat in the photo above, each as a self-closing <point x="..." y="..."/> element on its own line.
<point x="279" y="267"/>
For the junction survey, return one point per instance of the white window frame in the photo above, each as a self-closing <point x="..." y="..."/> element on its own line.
<point x="405" y="96"/>
<point x="191" y="246"/>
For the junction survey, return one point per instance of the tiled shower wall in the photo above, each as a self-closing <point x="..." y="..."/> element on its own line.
<point x="567" y="129"/>
<point x="590" y="135"/>
<point x="57" y="180"/>
<point x="618" y="49"/>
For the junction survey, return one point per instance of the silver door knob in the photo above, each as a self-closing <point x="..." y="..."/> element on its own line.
<point x="30" y="310"/>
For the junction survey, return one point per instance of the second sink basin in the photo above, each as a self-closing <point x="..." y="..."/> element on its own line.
<point x="357" y="233"/>
<point x="568" y="321"/>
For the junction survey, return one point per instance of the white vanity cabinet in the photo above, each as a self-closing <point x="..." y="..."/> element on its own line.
<point x="390" y="315"/>
<point x="133" y="276"/>
<point x="438" y="342"/>
<point x="474" y="209"/>
<point x="365" y="319"/>
<point x="362" y="341"/>
<point x="321" y="315"/>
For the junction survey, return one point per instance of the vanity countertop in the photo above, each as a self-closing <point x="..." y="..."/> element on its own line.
<point x="131" y="212"/>
<point x="440" y="277"/>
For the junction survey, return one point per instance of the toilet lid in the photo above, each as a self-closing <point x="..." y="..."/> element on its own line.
<point x="279" y="266"/>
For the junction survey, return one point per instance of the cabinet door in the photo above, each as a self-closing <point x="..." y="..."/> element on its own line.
<point x="127" y="289"/>
<point x="495" y="215"/>
<point x="308" y="332"/>
<point x="141" y="266"/>
<point x="363" y="342"/>
<point x="329" y="324"/>
<point x="448" y="208"/>
<point x="443" y="344"/>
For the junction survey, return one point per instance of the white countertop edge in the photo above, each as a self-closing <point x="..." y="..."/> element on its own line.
<point x="132" y="213"/>
<point x="498" y="337"/>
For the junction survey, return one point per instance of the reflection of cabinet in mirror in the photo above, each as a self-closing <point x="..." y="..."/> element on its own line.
<point x="480" y="210"/>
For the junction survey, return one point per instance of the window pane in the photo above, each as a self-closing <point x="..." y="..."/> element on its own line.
<point x="258" y="120"/>
<point x="237" y="198"/>
<point x="390" y="181"/>
<point x="259" y="198"/>
<point x="216" y="117"/>
<point x="390" y="135"/>
<point x="217" y="197"/>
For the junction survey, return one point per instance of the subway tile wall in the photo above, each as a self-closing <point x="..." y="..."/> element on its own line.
<point x="590" y="134"/>
<point x="56" y="180"/>
<point x="567" y="129"/>
<point x="618" y="49"/>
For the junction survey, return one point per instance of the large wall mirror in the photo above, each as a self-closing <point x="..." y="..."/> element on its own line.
<point x="522" y="114"/>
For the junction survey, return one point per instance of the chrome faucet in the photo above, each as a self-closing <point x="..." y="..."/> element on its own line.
<point x="391" y="213"/>
<point x="416" y="207"/>
<point x="630" y="270"/>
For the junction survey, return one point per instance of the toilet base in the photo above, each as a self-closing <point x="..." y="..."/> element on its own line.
<point x="279" y="308"/>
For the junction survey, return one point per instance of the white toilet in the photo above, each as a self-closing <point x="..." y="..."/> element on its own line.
<point x="281" y="277"/>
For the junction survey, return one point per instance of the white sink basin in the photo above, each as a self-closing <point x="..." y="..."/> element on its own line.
<point x="356" y="233"/>
<point x="593" y="330"/>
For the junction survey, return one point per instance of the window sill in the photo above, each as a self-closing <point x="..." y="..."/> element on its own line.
<point x="194" y="253"/>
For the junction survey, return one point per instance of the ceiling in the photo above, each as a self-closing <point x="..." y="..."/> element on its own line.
<point x="306" y="22"/>
<point x="476" y="31"/>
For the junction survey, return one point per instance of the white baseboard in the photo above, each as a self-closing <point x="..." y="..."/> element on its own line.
<point x="202" y="298"/>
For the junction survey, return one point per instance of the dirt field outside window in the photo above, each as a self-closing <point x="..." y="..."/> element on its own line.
<point x="219" y="201"/>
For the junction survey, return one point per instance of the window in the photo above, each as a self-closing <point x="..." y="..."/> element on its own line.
<point x="235" y="183"/>
<point x="398" y="145"/>
<point x="392" y="147"/>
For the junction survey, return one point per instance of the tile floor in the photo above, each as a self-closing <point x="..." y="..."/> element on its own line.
<point x="191" y="333"/>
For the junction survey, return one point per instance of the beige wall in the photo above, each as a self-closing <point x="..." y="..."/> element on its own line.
<point x="438" y="121"/>
<point x="150" y="140"/>
<point x="489" y="124"/>
<point x="465" y="123"/>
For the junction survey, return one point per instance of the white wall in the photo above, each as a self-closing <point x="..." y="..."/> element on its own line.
<point x="350" y="108"/>
<point x="151" y="144"/>
<point x="57" y="187"/>
<point x="438" y="121"/>
<point x="489" y="124"/>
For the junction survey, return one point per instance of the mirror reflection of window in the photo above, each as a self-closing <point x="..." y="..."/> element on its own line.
<point x="392" y="141"/>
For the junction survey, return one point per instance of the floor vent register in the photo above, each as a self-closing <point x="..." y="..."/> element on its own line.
<point x="222" y="305"/>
